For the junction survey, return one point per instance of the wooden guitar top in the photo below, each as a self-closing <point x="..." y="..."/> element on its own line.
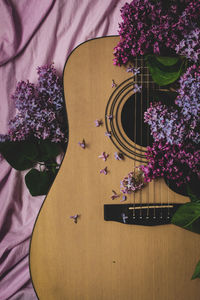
<point x="94" y="259"/>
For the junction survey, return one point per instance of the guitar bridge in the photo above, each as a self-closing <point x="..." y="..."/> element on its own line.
<point x="141" y="214"/>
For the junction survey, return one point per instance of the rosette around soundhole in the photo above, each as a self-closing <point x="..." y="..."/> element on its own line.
<point x="124" y="118"/>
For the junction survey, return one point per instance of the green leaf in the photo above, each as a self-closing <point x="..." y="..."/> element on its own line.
<point x="163" y="71"/>
<point x="168" y="60"/>
<point x="20" y="155"/>
<point x="196" y="271"/>
<point x="193" y="190"/>
<point x="48" y="150"/>
<point x="193" y="197"/>
<point x="39" y="182"/>
<point x="24" y="155"/>
<point x="188" y="217"/>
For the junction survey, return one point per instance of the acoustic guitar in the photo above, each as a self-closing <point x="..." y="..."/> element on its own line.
<point x="86" y="244"/>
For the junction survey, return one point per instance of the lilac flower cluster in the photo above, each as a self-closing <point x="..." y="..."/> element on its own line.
<point x="40" y="108"/>
<point x="188" y="100"/>
<point x="173" y="125"/>
<point x="165" y="123"/>
<point x="190" y="45"/>
<point x="4" y="138"/>
<point x="175" y="153"/>
<point x="133" y="182"/>
<point x="149" y="27"/>
<point x="174" y="162"/>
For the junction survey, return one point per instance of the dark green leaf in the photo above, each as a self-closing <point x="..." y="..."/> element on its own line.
<point x="48" y="150"/>
<point x="193" y="197"/>
<point x="168" y="60"/>
<point x="188" y="216"/>
<point x="193" y="190"/>
<point x="38" y="182"/>
<point x="196" y="272"/>
<point x="20" y="155"/>
<point x="164" y="73"/>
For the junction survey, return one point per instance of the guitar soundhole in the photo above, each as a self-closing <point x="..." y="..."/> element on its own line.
<point x="132" y="118"/>
<point x="127" y="129"/>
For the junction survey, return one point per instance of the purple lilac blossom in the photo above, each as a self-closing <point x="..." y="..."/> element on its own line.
<point x="104" y="171"/>
<point x="98" y="123"/>
<point x="4" y="138"/>
<point x="174" y="162"/>
<point x="109" y="117"/>
<point x="114" y="195"/>
<point x="118" y="156"/>
<point x="108" y="134"/>
<point x="124" y="198"/>
<point x="137" y="88"/>
<point x="133" y="70"/>
<point x="178" y="125"/>
<point x="133" y="182"/>
<point x="114" y="84"/>
<point x="75" y="218"/>
<point x="40" y="108"/>
<point x="148" y="27"/>
<point x="124" y="217"/>
<point x="166" y="123"/>
<point x="82" y="144"/>
<point x="104" y="156"/>
<point x="188" y="100"/>
<point x="190" y="45"/>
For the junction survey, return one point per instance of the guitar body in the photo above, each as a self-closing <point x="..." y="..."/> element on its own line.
<point x="95" y="259"/>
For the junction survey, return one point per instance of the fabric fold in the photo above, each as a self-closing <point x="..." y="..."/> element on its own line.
<point x="19" y="20"/>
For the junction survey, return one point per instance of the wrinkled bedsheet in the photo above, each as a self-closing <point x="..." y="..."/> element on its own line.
<point x="34" y="33"/>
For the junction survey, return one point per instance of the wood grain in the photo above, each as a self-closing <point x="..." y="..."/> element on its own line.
<point x="94" y="259"/>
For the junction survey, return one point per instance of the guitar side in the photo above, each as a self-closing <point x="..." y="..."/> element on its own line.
<point x="95" y="259"/>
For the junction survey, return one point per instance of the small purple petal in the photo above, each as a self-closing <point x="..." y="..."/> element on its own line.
<point x="109" y="117"/>
<point x="98" y="123"/>
<point x="134" y="70"/>
<point x="114" y="195"/>
<point x="104" y="171"/>
<point x="137" y="88"/>
<point x="124" y="198"/>
<point x="82" y="144"/>
<point x="129" y="69"/>
<point x="118" y="156"/>
<point x="108" y="134"/>
<point x="113" y="84"/>
<point x="124" y="217"/>
<point x="104" y="156"/>
<point x="75" y="217"/>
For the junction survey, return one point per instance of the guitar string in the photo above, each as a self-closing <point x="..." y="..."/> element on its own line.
<point x="168" y="211"/>
<point x="135" y="106"/>
<point x="141" y="116"/>
<point x="149" y="83"/>
<point x="159" y="184"/>
<point x="160" y="188"/>
<point x="148" y="86"/>
<point x="154" y="183"/>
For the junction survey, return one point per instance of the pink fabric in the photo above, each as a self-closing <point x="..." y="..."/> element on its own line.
<point x="34" y="33"/>
<point x="19" y="21"/>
